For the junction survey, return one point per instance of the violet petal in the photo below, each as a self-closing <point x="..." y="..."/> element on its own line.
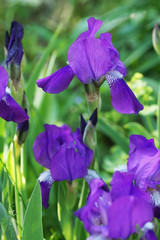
<point x="89" y="58"/>
<point x="45" y="181"/>
<point x="40" y="150"/>
<point x="4" y="78"/>
<point x="93" y="26"/>
<point x="10" y="110"/>
<point x="115" y="56"/>
<point x="67" y="164"/>
<point x="123" y="99"/>
<point x="58" y="81"/>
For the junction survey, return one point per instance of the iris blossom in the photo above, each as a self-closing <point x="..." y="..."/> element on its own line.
<point x="144" y="163"/>
<point x="115" y="214"/>
<point x="13" y="43"/>
<point x="10" y="110"/>
<point x="90" y="59"/>
<point x="63" y="153"/>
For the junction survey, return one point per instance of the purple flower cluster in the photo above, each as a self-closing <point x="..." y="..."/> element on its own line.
<point x="90" y="59"/>
<point x="128" y="206"/>
<point x="116" y="213"/>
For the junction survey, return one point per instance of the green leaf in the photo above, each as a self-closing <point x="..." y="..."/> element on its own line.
<point x="6" y="224"/>
<point x="111" y="131"/>
<point x="30" y="88"/>
<point x="136" y="128"/>
<point x="32" y="227"/>
<point x="64" y="212"/>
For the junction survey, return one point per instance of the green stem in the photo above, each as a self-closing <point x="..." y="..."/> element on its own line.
<point x="149" y="122"/>
<point x="23" y="176"/>
<point x="77" y="225"/>
<point x="17" y="200"/>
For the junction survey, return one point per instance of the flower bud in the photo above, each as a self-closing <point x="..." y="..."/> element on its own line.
<point x="88" y="130"/>
<point x="156" y="38"/>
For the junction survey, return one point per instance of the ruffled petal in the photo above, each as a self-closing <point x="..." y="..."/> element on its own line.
<point x="67" y="164"/>
<point x="45" y="181"/>
<point x="125" y="214"/>
<point x="4" y="78"/>
<point x="144" y="162"/>
<point x="142" y="213"/>
<point x="121" y="184"/>
<point x="40" y="150"/>
<point x="138" y="142"/>
<point x="139" y="147"/>
<point x="119" y="218"/>
<point x="90" y="59"/>
<point x="115" y="56"/>
<point x="93" y="26"/>
<point x="94" y="213"/>
<point x="123" y="99"/>
<point x="10" y="110"/>
<point x="58" y="81"/>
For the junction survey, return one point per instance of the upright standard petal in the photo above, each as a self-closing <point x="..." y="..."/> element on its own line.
<point x="40" y="150"/>
<point x="125" y="214"/>
<point x="45" y="181"/>
<point x="69" y="164"/>
<point x="89" y="59"/>
<point x="118" y="66"/>
<point x="10" y="110"/>
<point x="58" y="81"/>
<point x="93" y="26"/>
<point x="4" y="78"/>
<point x="121" y="184"/>
<point x="123" y="99"/>
<point x="144" y="162"/>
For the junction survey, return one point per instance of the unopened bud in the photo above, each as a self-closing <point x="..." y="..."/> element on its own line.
<point x="156" y="38"/>
<point x="88" y="130"/>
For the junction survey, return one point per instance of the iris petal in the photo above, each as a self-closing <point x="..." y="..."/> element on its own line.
<point x="58" y="81"/>
<point x="4" y="78"/>
<point x="93" y="26"/>
<point x="10" y="110"/>
<point x="67" y="164"/>
<point x="123" y="99"/>
<point x="89" y="59"/>
<point x="45" y="181"/>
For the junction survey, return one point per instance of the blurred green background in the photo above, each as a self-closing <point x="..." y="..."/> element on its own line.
<point x="50" y="27"/>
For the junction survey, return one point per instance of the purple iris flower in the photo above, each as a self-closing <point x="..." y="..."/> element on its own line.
<point x="10" y="110"/>
<point x="144" y="163"/>
<point x="63" y="153"/>
<point x="90" y="59"/>
<point x="115" y="214"/>
<point x="13" y="43"/>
